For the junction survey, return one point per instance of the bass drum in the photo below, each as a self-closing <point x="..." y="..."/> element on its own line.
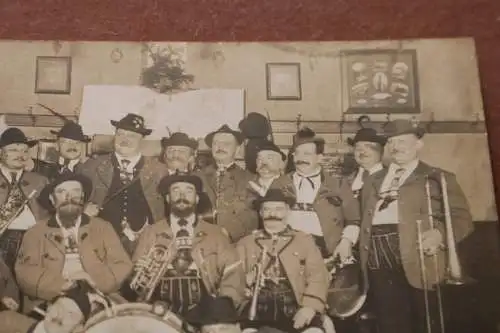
<point x="134" y="318"/>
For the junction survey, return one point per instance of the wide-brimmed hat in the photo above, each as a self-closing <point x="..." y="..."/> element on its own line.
<point x="213" y="310"/>
<point x="73" y="131"/>
<point x="14" y="135"/>
<point x="275" y="195"/>
<point x="179" y="177"/>
<point x="306" y="135"/>
<point x="44" y="197"/>
<point x="179" y="139"/>
<point x="367" y="135"/>
<point x="268" y="145"/>
<point x="255" y="126"/>
<point x="402" y="126"/>
<point x="132" y="122"/>
<point x="224" y="129"/>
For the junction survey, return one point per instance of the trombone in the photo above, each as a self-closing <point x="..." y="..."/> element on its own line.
<point x="454" y="273"/>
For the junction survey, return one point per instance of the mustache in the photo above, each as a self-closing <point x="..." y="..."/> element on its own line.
<point x="272" y="218"/>
<point x="300" y="162"/>
<point x="72" y="150"/>
<point x="184" y="201"/>
<point x="220" y="151"/>
<point x="76" y="202"/>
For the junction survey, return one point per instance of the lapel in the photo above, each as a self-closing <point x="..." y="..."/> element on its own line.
<point x="27" y="184"/>
<point x="200" y="234"/>
<point x="420" y="171"/>
<point x="105" y="171"/>
<point x="55" y="236"/>
<point x="284" y="240"/>
<point x="378" y="179"/>
<point x="209" y="173"/>
<point x="146" y="174"/>
<point x="288" y="187"/>
<point x="326" y="188"/>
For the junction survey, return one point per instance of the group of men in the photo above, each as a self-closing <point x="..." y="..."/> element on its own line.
<point x="257" y="244"/>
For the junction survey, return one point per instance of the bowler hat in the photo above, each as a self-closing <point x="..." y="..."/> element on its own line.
<point x="73" y="131"/>
<point x="402" y="126"/>
<point x="43" y="198"/>
<point x="213" y="310"/>
<point x="274" y="195"/>
<point x="14" y="135"/>
<point x="132" y="122"/>
<point x="306" y="135"/>
<point x="179" y="139"/>
<point x="367" y="135"/>
<point x="179" y="177"/>
<point x="255" y="126"/>
<point x="268" y="145"/>
<point x="224" y="129"/>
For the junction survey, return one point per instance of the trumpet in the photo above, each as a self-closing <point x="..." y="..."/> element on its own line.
<point x="148" y="275"/>
<point x="454" y="272"/>
<point x="259" y="282"/>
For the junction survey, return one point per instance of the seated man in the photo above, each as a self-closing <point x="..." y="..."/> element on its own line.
<point x="70" y="246"/>
<point x="198" y="259"/>
<point x="288" y="270"/>
<point x="68" y="312"/>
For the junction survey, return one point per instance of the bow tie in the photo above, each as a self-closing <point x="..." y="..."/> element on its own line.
<point x="308" y="179"/>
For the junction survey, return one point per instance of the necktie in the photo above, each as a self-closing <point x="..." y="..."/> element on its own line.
<point x="392" y="194"/>
<point x="125" y="175"/>
<point x="65" y="167"/>
<point x="13" y="178"/>
<point x="182" y="223"/>
<point x="218" y="186"/>
<point x="125" y="164"/>
<point x="365" y="176"/>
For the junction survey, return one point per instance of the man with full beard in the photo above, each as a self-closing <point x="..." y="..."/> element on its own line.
<point x="125" y="182"/>
<point x="200" y="261"/>
<point x="70" y="246"/>
<point x="16" y="185"/>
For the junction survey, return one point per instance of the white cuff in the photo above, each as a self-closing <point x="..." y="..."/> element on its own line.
<point x="351" y="232"/>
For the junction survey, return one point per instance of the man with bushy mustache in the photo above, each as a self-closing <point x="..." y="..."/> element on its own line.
<point x="125" y="182"/>
<point x="270" y="163"/>
<point x="70" y="246"/>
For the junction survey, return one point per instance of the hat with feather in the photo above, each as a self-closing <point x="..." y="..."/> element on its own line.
<point x="69" y="130"/>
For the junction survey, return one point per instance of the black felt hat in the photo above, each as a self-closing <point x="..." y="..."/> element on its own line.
<point x="179" y="139"/>
<point x="367" y="135"/>
<point x="273" y="195"/>
<point x="73" y="131"/>
<point x="214" y="310"/>
<point x="268" y="145"/>
<point x="179" y="177"/>
<point x="44" y="197"/>
<point x="14" y="135"/>
<point x="224" y="129"/>
<point x="134" y="123"/>
<point x="402" y="126"/>
<point x="255" y="126"/>
<point x="306" y="135"/>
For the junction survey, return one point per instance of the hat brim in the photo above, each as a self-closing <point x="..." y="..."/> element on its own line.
<point x="167" y="181"/>
<point x="210" y="137"/>
<point x="165" y="142"/>
<point x="44" y="197"/>
<point x="316" y="141"/>
<point x="85" y="138"/>
<point x="257" y="203"/>
<point x="143" y="131"/>
<point x="380" y="140"/>
<point x="29" y="143"/>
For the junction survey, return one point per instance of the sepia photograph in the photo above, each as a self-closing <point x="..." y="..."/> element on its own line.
<point x="246" y="187"/>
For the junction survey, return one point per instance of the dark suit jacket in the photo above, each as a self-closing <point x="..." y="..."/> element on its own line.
<point x="335" y="205"/>
<point x="412" y="206"/>
<point x="50" y="170"/>
<point x="100" y="171"/>
<point x="29" y="182"/>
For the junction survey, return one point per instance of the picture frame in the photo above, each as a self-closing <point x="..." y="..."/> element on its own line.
<point x="380" y="81"/>
<point x="283" y="81"/>
<point x="53" y="75"/>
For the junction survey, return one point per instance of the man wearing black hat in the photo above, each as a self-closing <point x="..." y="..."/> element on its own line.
<point x="227" y="184"/>
<point x="71" y="145"/>
<point x="70" y="246"/>
<point x="125" y="182"/>
<point x="178" y="152"/>
<point x="200" y="261"/>
<point x="270" y="165"/>
<point x="256" y="129"/>
<point x="16" y="185"/>
<point x="395" y="208"/>
<point x="295" y="281"/>
<point x="368" y="151"/>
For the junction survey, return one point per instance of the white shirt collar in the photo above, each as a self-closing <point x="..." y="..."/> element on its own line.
<point x="73" y="229"/>
<point x="224" y="167"/>
<point x="174" y="219"/>
<point x="133" y="160"/>
<point x="71" y="164"/>
<point x="409" y="168"/>
<point x="6" y="172"/>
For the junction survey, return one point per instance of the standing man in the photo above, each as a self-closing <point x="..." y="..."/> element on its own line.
<point x="16" y="185"/>
<point x="178" y="153"/>
<point x="325" y="206"/>
<point x="368" y="151"/>
<point x="199" y="260"/>
<point x="293" y="279"/>
<point x="125" y="182"/>
<point x="70" y="246"/>
<point x="270" y="164"/>
<point x="72" y="147"/>
<point x="395" y="203"/>
<point x="226" y="185"/>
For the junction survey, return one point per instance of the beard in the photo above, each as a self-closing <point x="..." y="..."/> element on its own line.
<point x="68" y="212"/>
<point x="182" y="208"/>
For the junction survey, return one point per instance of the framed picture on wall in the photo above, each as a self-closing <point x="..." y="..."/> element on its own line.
<point x="380" y="81"/>
<point x="53" y="75"/>
<point x="283" y="81"/>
